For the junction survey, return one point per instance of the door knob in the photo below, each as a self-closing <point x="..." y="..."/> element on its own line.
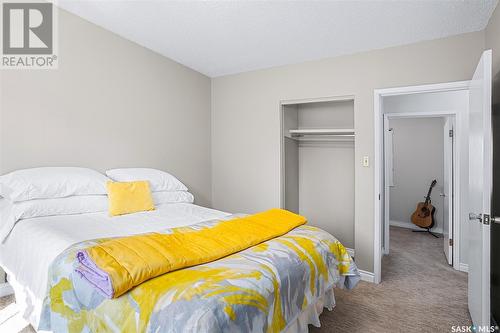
<point x="484" y="218"/>
<point x="442" y="194"/>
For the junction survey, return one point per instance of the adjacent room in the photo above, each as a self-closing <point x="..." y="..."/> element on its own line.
<point x="249" y="166"/>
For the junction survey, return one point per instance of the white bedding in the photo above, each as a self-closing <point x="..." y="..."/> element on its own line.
<point x="34" y="243"/>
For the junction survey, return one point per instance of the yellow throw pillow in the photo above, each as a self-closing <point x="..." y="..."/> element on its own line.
<point x="129" y="197"/>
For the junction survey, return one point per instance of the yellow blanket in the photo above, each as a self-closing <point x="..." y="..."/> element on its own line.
<point x="130" y="261"/>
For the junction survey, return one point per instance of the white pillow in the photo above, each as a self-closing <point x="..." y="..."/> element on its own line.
<point x="158" y="180"/>
<point x="172" y="197"/>
<point x="51" y="182"/>
<point x="81" y="204"/>
<point x="11" y="212"/>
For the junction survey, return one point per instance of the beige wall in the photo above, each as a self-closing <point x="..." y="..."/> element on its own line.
<point x="245" y="118"/>
<point x="493" y="42"/>
<point x="162" y="111"/>
<point x="326" y="187"/>
<point x="111" y="103"/>
<point x="418" y="159"/>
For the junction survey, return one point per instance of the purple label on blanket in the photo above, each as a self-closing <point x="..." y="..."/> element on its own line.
<point x="89" y="271"/>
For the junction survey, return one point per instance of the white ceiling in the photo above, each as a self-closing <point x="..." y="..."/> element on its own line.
<point x="224" y="37"/>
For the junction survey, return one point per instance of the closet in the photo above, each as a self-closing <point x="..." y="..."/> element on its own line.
<point x="318" y="141"/>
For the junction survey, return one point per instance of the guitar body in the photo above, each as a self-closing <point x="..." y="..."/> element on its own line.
<point x="423" y="215"/>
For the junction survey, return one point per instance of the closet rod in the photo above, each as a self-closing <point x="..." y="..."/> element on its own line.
<point x="314" y="131"/>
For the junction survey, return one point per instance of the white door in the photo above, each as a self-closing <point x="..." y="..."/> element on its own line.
<point x="480" y="183"/>
<point x="447" y="194"/>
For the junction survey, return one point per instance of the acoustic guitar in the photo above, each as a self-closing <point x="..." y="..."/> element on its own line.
<point x="424" y="214"/>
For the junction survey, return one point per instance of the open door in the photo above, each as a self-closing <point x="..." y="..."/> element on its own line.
<point x="447" y="193"/>
<point x="480" y="185"/>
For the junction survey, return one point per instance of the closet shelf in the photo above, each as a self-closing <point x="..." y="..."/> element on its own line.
<point x="340" y="132"/>
<point x="339" y="138"/>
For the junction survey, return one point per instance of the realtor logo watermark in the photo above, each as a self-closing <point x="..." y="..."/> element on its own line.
<point x="28" y="35"/>
<point x="474" y="329"/>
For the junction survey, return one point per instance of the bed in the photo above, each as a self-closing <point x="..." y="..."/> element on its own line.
<point x="281" y="285"/>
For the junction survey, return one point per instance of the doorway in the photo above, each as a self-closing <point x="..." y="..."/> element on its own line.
<point x="448" y="102"/>
<point x="472" y="181"/>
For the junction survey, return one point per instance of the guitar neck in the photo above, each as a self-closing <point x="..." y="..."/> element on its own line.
<point x="428" y="197"/>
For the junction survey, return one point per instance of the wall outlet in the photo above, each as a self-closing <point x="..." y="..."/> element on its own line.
<point x="366" y="161"/>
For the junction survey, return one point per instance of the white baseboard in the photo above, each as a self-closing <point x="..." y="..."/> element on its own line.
<point x="409" y="225"/>
<point x="463" y="267"/>
<point x="5" y="289"/>
<point x="367" y="276"/>
<point x="350" y="251"/>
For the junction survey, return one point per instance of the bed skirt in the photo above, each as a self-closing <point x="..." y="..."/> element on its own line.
<point x="27" y="303"/>
<point x="310" y="316"/>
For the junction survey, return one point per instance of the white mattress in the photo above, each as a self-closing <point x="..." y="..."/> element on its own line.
<point x="35" y="243"/>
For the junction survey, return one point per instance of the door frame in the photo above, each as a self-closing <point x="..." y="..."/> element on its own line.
<point x="450" y="147"/>
<point x="379" y="168"/>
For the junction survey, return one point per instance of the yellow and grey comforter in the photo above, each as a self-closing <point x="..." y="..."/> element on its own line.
<point x="116" y="266"/>
<point x="259" y="289"/>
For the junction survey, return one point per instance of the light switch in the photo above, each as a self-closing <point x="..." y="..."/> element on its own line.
<point x="366" y="161"/>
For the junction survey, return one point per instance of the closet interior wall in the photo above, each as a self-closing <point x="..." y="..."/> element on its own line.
<point x="319" y="169"/>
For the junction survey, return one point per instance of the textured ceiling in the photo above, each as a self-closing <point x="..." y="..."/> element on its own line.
<point x="224" y="37"/>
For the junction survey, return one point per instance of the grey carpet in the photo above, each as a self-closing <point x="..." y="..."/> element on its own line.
<point x="419" y="293"/>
